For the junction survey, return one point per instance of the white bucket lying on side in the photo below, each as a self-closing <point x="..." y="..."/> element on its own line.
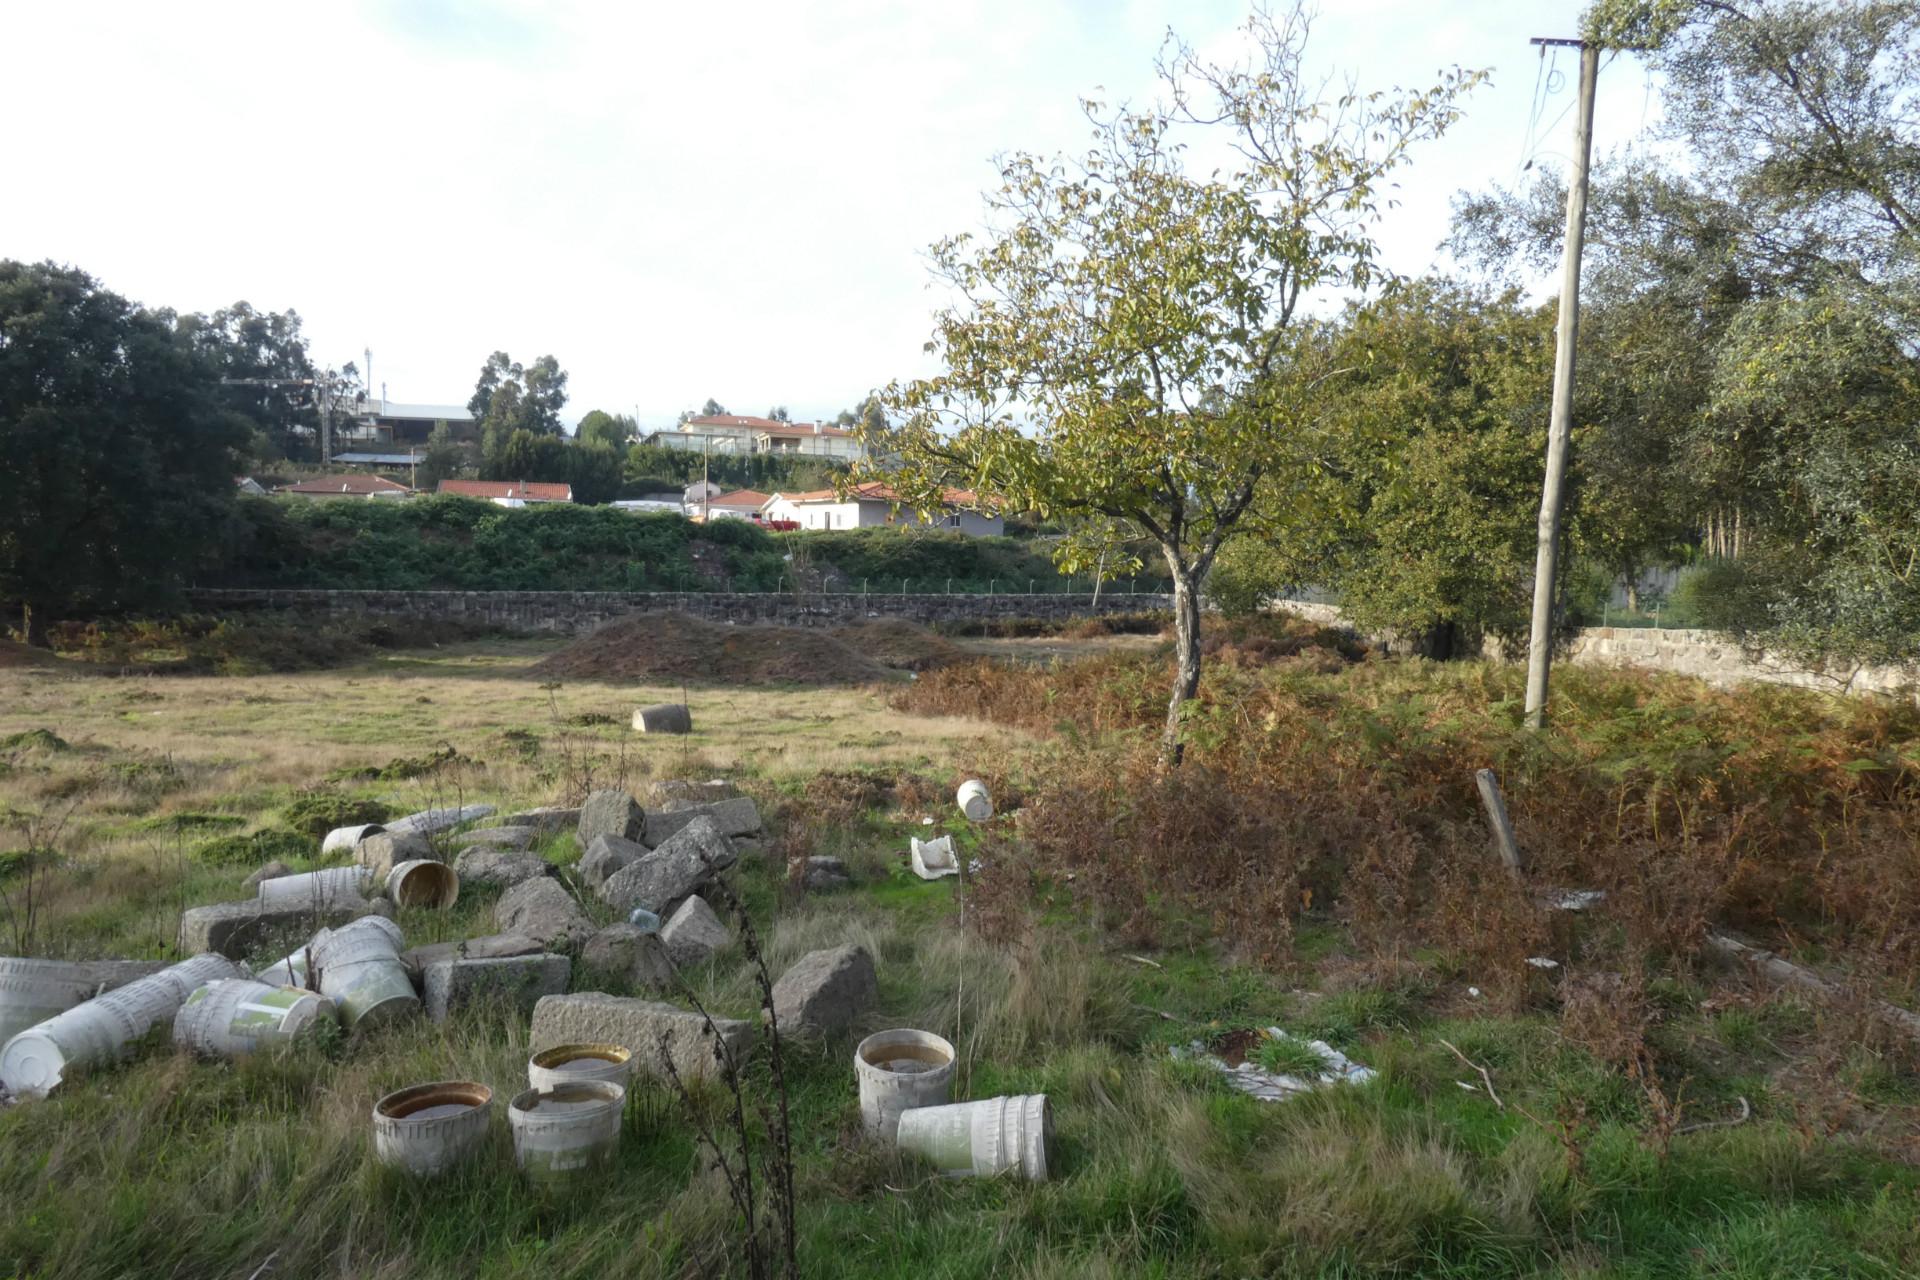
<point x="316" y="890"/>
<point x="983" y="1139"/>
<point x="933" y="859"/>
<point x="426" y="1129"/>
<point x="37" y="1059"/>
<point x="566" y="1063"/>
<point x="423" y="883"/>
<point x="358" y="967"/>
<point x="898" y="1071"/>
<point x="567" y="1129"/>
<point x="236" y="1016"/>
<point x="290" y="972"/>
<point x="31" y="991"/>
<point x="342" y="839"/>
<point x="974" y="800"/>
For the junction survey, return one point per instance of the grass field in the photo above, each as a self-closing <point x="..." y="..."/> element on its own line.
<point x="1568" y="1157"/>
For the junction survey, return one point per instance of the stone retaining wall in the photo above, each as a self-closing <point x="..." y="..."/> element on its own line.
<point x="578" y="611"/>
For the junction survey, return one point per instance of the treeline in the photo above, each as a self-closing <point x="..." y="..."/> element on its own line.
<point x="458" y="544"/>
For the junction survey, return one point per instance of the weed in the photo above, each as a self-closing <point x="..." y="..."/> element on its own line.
<point x="1289" y="1055"/>
<point x="319" y="810"/>
<point x="252" y="850"/>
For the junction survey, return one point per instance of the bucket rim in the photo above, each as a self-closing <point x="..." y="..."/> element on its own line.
<point x="905" y="1037"/>
<point x="557" y="1055"/>
<point x="468" y="1093"/>
<point x="524" y="1104"/>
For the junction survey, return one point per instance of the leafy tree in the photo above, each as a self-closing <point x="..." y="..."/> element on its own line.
<point x="1131" y="342"/>
<point x="120" y="456"/>
<point x="779" y="414"/>
<point x="442" y="460"/>
<point x="240" y="342"/>
<point x="614" y="429"/>
<point x="509" y="398"/>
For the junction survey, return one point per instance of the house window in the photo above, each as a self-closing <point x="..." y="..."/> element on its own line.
<point x="953" y="520"/>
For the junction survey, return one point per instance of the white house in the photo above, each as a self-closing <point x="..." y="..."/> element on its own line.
<point x="738" y="434"/>
<point x="874" y="505"/>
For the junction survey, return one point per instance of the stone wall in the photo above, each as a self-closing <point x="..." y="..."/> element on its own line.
<point x="578" y="611"/>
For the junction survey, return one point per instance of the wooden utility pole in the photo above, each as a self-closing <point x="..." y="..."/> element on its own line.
<point x="1560" y="426"/>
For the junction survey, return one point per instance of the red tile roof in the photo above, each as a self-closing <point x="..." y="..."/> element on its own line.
<point x="874" y="491"/>
<point x="738" y="498"/>
<point x="358" y="485"/>
<point x="525" y="490"/>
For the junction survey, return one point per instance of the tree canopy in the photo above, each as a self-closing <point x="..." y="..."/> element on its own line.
<point x="509" y="397"/>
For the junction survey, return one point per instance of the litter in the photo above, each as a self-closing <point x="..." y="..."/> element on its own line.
<point x="933" y="859"/>
<point x="974" y="800"/>
<point x="1275" y="1086"/>
<point x="1542" y="962"/>
<point x="1577" y="899"/>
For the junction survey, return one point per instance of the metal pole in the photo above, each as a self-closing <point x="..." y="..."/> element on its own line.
<point x="1559" y="427"/>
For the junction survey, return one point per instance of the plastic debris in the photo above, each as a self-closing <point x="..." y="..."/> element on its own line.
<point x="646" y="919"/>
<point x="1542" y="962"/>
<point x="1274" y="1086"/>
<point x="933" y="859"/>
<point x="1578" y="899"/>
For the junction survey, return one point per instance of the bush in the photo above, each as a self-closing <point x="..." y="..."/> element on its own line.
<point x="316" y="812"/>
<point x="253" y="850"/>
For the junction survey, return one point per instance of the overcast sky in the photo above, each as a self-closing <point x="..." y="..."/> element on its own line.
<point x="677" y="201"/>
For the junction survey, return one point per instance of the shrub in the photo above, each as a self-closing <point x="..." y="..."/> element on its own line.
<point x="254" y="849"/>
<point x="316" y="812"/>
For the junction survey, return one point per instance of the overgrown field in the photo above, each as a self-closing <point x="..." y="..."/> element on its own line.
<point x="1319" y="865"/>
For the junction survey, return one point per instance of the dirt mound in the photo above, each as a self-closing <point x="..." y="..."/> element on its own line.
<point x="13" y="654"/>
<point x="901" y="645"/>
<point x="660" y="648"/>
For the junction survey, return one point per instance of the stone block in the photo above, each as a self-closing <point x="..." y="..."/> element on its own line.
<point x="736" y="817"/>
<point x="675" y="793"/>
<point x="605" y="857"/>
<point x="694" y="933"/>
<point x="630" y="954"/>
<point x="516" y="981"/>
<point x="643" y="1026"/>
<point x="609" y="813"/>
<point x="486" y="868"/>
<point x="493" y="946"/>
<point x="385" y="850"/>
<point x="820" y="874"/>
<point x="826" y="992"/>
<point x="497" y="837"/>
<point x="543" y="910"/>
<point x="677" y="868"/>
<point x="544" y="821"/>
<point x="238" y="929"/>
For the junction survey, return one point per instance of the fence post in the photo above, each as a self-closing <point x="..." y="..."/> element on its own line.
<point x="949" y="586"/>
<point x="990" y="585"/>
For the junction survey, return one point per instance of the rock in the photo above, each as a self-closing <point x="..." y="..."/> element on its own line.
<point x="825" y="991"/>
<point x="493" y="946"/>
<point x="663" y="717"/>
<point x="517" y="981"/>
<point x="748" y="847"/>
<point x="609" y="813"/>
<point x="606" y="856"/>
<point x="545" y="821"/>
<point x="672" y="871"/>
<point x="736" y="817"/>
<point x="544" y="911"/>
<point x="497" y="837"/>
<point x="272" y="871"/>
<point x="643" y="1026"/>
<point x="383" y="851"/>
<point x="432" y="821"/>
<point x="674" y="793"/>
<point x="631" y="954"/>
<point x="488" y="868"/>
<point x="237" y="929"/>
<point x="820" y="874"/>
<point x="694" y="933"/>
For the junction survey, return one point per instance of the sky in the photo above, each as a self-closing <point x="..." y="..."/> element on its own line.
<point x="677" y="201"/>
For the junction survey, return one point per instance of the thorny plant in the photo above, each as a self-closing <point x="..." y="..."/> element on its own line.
<point x="767" y="1226"/>
<point x="573" y="763"/>
<point x="25" y="869"/>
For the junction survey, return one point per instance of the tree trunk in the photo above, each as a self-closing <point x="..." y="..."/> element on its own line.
<point x="1186" y="649"/>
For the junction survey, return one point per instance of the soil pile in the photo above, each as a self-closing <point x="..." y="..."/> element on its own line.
<point x="660" y="648"/>
<point x="901" y="645"/>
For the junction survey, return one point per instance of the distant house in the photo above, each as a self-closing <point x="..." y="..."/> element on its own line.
<point x="354" y="486"/>
<point x="739" y="434"/>
<point x="651" y="502"/>
<point x="875" y="505"/>
<point x="741" y="504"/>
<point x="509" y="493"/>
<point x="383" y="426"/>
<point x="249" y="486"/>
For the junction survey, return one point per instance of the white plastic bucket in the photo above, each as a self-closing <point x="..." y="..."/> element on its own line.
<point x="342" y="839"/>
<point x="316" y="890"/>
<point x="983" y="1139"/>
<point x="423" y="883"/>
<point x="933" y="859"/>
<point x="898" y="1071"/>
<point x="426" y="1129"/>
<point x="31" y="991"/>
<point x="567" y="1063"/>
<point x="36" y="1060"/>
<point x="567" y="1129"/>
<point x="974" y="800"/>
<point x="290" y="972"/>
<point x="237" y="1016"/>
<point x="359" y="968"/>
